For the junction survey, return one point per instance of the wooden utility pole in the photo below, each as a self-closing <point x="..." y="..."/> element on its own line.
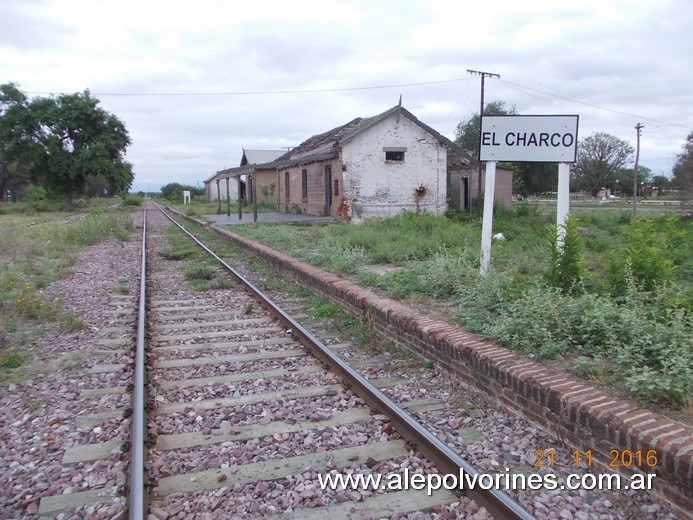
<point x="638" y="127"/>
<point x="481" y="114"/>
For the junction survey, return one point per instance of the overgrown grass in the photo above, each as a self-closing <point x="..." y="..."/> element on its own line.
<point x="634" y="312"/>
<point x="359" y="331"/>
<point x="200" y="207"/>
<point x="43" y="205"/>
<point x="33" y="254"/>
<point x="205" y="277"/>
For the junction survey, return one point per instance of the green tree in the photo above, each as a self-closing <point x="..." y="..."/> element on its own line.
<point x="528" y="178"/>
<point x="599" y="159"/>
<point x="623" y="180"/>
<point x="467" y="133"/>
<point x="65" y="139"/>
<point x="534" y="178"/>
<point x="14" y="142"/>
<point x="683" y="169"/>
<point x="661" y="182"/>
<point x="174" y="191"/>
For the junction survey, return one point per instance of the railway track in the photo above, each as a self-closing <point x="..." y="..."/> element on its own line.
<point x="246" y="410"/>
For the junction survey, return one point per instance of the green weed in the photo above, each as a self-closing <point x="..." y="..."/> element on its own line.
<point x="624" y="320"/>
<point x="178" y="254"/>
<point x="13" y="357"/>
<point x="566" y="267"/>
<point x="71" y="323"/>
<point x="200" y="272"/>
<point x="71" y="363"/>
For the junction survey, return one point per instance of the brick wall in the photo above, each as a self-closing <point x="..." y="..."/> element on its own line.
<point x="314" y="203"/>
<point x="585" y="417"/>
<point x="266" y="178"/>
<point x="503" y="191"/>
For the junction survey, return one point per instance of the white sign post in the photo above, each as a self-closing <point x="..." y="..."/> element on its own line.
<point x="550" y="138"/>
<point x="487" y="223"/>
<point x="563" y="200"/>
<point x="186" y="197"/>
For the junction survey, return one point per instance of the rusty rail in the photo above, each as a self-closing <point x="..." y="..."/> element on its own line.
<point x="136" y="498"/>
<point x="496" y="502"/>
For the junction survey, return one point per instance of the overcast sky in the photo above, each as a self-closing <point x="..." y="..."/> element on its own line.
<point x="195" y="82"/>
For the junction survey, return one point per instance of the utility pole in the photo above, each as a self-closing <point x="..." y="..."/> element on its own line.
<point x="481" y="114"/>
<point x="638" y="127"/>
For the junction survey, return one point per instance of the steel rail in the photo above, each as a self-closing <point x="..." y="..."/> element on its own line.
<point x="136" y="499"/>
<point x="496" y="502"/>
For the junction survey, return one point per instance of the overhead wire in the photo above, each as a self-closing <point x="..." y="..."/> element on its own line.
<point x="514" y="86"/>
<point x="265" y="92"/>
<point x="593" y="105"/>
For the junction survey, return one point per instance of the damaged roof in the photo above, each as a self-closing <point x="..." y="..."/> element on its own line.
<point x="320" y="142"/>
<point x="323" y="144"/>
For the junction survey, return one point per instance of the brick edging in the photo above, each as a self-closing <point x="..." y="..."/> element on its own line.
<point x="585" y="417"/>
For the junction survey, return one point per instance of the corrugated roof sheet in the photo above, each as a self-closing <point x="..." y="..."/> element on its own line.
<point x="260" y="156"/>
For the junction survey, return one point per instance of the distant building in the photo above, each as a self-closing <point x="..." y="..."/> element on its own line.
<point x="464" y="186"/>
<point x="255" y="172"/>
<point x="370" y="167"/>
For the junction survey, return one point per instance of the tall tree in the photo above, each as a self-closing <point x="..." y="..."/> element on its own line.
<point x="661" y="182"/>
<point x="467" y="133"/>
<point x="599" y="158"/>
<point x="623" y="180"/>
<point x="683" y="169"/>
<point x="65" y="139"/>
<point x="528" y="178"/>
<point x="174" y="191"/>
<point x="534" y="178"/>
<point x="14" y="140"/>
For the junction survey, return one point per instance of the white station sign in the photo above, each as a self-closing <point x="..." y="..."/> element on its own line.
<point x="550" y="138"/>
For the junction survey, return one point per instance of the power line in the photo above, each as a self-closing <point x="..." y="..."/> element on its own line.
<point x="264" y="92"/>
<point x="347" y="89"/>
<point x="481" y="115"/>
<point x="593" y="106"/>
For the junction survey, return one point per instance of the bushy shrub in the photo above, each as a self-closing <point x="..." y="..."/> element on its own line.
<point x="31" y="303"/>
<point x="566" y="267"/>
<point x="35" y="198"/>
<point x="340" y="257"/>
<point x="129" y="200"/>
<point x="646" y="342"/>
<point x="534" y="323"/>
<point x="482" y="299"/>
<point x="642" y="259"/>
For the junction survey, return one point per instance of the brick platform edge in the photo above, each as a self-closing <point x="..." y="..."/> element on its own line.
<point x="585" y="417"/>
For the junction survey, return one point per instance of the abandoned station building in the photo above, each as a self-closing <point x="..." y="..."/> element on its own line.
<point x="370" y="167"/>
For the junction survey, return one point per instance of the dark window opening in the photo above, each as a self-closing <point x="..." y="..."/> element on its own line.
<point x="304" y="184"/>
<point x="287" y="195"/>
<point x="394" y="156"/>
<point x="336" y="187"/>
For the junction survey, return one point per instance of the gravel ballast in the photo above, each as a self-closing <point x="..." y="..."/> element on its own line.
<point x="39" y="419"/>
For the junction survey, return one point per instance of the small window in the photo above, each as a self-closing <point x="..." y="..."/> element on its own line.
<point x="287" y="194"/>
<point x="304" y="184"/>
<point x="336" y="187"/>
<point x="394" y="154"/>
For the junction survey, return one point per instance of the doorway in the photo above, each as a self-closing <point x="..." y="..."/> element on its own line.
<point x="328" y="190"/>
